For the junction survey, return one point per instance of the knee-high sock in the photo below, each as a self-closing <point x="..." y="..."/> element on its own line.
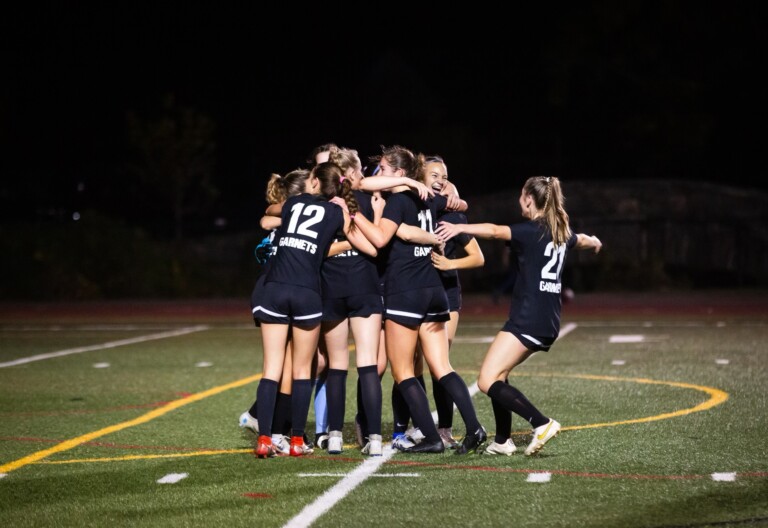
<point x="281" y="423"/>
<point x="503" y="422"/>
<point x="401" y="414"/>
<point x="321" y="406"/>
<point x="336" y="398"/>
<point x="266" y="395"/>
<point x="513" y="400"/>
<point x="418" y="404"/>
<point x="443" y="404"/>
<point x="300" y="398"/>
<point x="362" y="419"/>
<point x="370" y="386"/>
<point x="459" y="392"/>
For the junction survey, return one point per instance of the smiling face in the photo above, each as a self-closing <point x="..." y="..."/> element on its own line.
<point x="435" y="176"/>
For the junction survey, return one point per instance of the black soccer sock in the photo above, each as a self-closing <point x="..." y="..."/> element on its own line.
<point x="266" y="394"/>
<point x="416" y="398"/>
<point x="300" y="398"/>
<point x="281" y="423"/>
<point x="336" y="397"/>
<point x="455" y="386"/>
<point x="513" y="400"/>
<point x="253" y="410"/>
<point x="401" y="414"/>
<point x="503" y="422"/>
<point x="362" y="418"/>
<point x="370" y="386"/>
<point x="443" y="404"/>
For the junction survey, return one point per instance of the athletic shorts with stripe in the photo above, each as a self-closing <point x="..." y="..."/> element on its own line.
<point x="534" y="343"/>
<point x="411" y="308"/>
<point x="281" y="303"/>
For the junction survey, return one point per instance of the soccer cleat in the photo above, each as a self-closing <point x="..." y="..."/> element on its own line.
<point x="249" y="422"/>
<point x="542" y="435"/>
<point x="299" y="448"/>
<point x="335" y="442"/>
<point x="472" y="441"/>
<point x="373" y="447"/>
<point x="359" y="435"/>
<point x="507" y="448"/>
<point x="281" y="445"/>
<point x="447" y="435"/>
<point x="426" y="447"/>
<point x="401" y="442"/>
<point x="308" y="441"/>
<point x="321" y="440"/>
<point x="264" y="448"/>
<point x="415" y="435"/>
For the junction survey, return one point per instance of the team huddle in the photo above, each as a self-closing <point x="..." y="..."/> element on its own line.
<point x="379" y="256"/>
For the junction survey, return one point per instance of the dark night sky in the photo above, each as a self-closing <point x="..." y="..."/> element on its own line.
<point x="662" y="90"/>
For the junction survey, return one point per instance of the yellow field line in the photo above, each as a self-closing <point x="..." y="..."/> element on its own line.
<point x="716" y="398"/>
<point x="160" y="411"/>
<point x="148" y="457"/>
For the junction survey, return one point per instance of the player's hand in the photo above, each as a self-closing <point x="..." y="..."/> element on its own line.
<point x="423" y="190"/>
<point x="440" y="261"/>
<point x="598" y="244"/>
<point x="378" y="203"/>
<point x="338" y="200"/>
<point x="446" y="230"/>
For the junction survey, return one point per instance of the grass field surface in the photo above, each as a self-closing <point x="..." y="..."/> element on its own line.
<point x="125" y="414"/>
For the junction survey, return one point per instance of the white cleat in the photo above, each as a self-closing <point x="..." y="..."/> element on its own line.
<point x="507" y="448"/>
<point x="249" y="422"/>
<point x="542" y="435"/>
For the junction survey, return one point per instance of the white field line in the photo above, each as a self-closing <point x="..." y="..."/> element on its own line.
<point x="102" y="346"/>
<point x="328" y="500"/>
<point x="172" y="478"/>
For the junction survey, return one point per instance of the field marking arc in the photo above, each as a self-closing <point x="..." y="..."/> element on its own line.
<point x="717" y="397"/>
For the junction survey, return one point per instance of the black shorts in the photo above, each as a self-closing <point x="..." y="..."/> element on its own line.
<point x="256" y="288"/>
<point x="362" y="305"/>
<point x="454" y="298"/>
<point x="453" y="291"/>
<point x="280" y="303"/>
<point x="414" y="307"/>
<point x="534" y="343"/>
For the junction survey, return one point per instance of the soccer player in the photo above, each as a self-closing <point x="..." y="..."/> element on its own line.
<point x="540" y="245"/>
<point x="290" y="300"/>
<point x="416" y="305"/>
<point x="352" y="300"/>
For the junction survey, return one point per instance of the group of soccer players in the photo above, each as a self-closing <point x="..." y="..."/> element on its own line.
<point x="378" y="256"/>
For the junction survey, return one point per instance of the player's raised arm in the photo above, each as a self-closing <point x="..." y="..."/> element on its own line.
<point x="446" y="230"/>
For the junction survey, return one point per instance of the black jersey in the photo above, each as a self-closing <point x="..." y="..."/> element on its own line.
<point x="309" y="223"/>
<point x="351" y="272"/>
<point x="536" y="302"/>
<point x="450" y="278"/>
<point x="409" y="266"/>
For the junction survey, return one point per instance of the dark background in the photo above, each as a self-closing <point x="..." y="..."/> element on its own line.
<point x="593" y="91"/>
